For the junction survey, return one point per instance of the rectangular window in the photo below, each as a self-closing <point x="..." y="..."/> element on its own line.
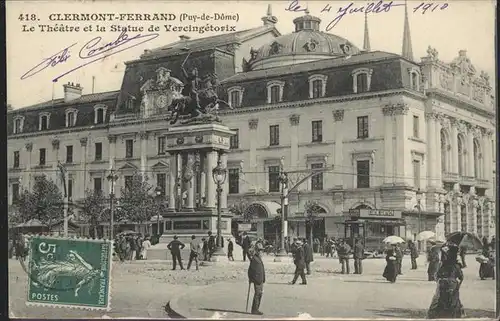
<point x="15" y="192"/>
<point x="274" y="135"/>
<point x="70" y="189"/>
<point x="234" y="180"/>
<point x="42" y="159"/>
<point x="414" y="81"/>
<point x="274" y="181"/>
<point x="234" y="141"/>
<point x="416" y="127"/>
<point x="69" y="154"/>
<point x="235" y="99"/>
<point x="275" y="94"/>
<point x="16" y="159"/>
<point x="363" y="169"/>
<point x="71" y="119"/>
<point x="317" y="90"/>
<point x="17" y="126"/>
<point x="100" y="116"/>
<point x="363" y="127"/>
<point x="128" y="181"/>
<point x="43" y="123"/>
<point x="162" y="144"/>
<point x="416" y="173"/>
<point x="161" y="181"/>
<point x="97" y="185"/>
<point x="362" y="83"/>
<point x="98" y="151"/>
<point x="129" y="148"/>
<point x="317" y="180"/>
<point x="317" y="131"/>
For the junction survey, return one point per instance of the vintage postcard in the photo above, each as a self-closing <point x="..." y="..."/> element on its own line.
<point x="252" y="159"/>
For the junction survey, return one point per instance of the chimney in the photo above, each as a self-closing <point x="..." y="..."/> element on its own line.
<point x="72" y="91"/>
<point x="184" y="37"/>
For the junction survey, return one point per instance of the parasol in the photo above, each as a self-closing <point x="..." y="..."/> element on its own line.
<point x="426" y="235"/>
<point x="465" y="239"/>
<point x="393" y="239"/>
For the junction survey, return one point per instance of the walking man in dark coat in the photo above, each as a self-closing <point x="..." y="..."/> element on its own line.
<point x="413" y="254"/>
<point x="257" y="276"/>
<point x="211" y="244"/>
<point x="300" y="264"/>
<point x="399" y="259"/>
<point x="175" y="248"/>
<point x="245" y="245"/>
<point x="343" y="252"/>
<point x="194" y="246"/>
<point x="204" y="249"/>
<point x="230" y="248"/>
<point x="359" y="255"/>
<point x="308" y="256"/>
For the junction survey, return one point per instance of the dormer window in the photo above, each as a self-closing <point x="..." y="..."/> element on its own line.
<point x="235" y="96"/>
<point x="100" y="114"/>
<point x="18" y="124"/>
<point x="43" y="121"/>
<point x="71" y="117"/>
<point x="275" y="91"/>
<point x="317" y="86"/>
<point x="414" y="79"/>
<point x="361" y="80"/>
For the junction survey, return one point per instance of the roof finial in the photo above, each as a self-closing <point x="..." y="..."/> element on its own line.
<point x="366" y="42"/>
<point x="407" y="51"/>
<point x="269" y="19"/>
<point x="269" y="10"/>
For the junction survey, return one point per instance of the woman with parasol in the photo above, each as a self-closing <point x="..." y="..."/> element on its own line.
<point x="446" y="301"/>
<point x="391" y="268"/>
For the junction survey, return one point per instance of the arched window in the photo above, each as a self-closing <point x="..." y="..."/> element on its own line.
<point x="317" y="86"/>
<point x="477" y="159"/>
<point x="100" y="114"/>
<point x="445" y="149"/>
<point x="461" y="155"/>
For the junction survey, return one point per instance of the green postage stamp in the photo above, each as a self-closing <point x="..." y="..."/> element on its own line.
<point x="69" y="272"/>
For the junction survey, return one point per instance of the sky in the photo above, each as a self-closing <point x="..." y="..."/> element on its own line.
<point x="451" y="27"/>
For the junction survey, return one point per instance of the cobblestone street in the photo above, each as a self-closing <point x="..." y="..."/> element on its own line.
<point x="143" y="289"/>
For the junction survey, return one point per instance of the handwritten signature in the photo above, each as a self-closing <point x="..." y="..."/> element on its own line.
<point x="94" y="50"/>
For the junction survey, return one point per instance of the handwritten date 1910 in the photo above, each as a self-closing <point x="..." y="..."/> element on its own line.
<point x="431" y="6"/>
<point x="92" y="51"/>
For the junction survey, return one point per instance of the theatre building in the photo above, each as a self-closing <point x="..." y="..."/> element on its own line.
<point x="407" y="143"/>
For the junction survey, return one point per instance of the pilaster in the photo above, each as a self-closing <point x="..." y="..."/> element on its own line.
<point x="144" y="153"/>
<point x="225" y="186"/>
<point x="388" y="145"/>
<point x="211" y="163"/>
<point x="172" y="182"/>
<point x="338" y="117"/>
<point x="294" y="138"/>
<point x="252" y="126"/>
<point x="83" y="166"/>
<point x="431" y="149"/>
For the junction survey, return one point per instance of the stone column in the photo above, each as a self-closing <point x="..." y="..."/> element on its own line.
<point x="458" y="211"/>
<point x="438" y="181"/>
<point x="211" y="163"/>
<point x="388" y="145"/>
<point x="487" y="160"/>
<point x="83" y="167"/>
<point x="294" y="138"/>
<point x="27" y="172"/>
<point x="172" y="182"/>
<point x="454" y="148"/>
<point x="190" y="183"/>
<point x="470" y="154"/>
<point x="402" y="159"/>
<point x="203" y="178"/>
<point x="144" y="154"/>
<point x="225" y="186"/>
<point x="338" y="117"/>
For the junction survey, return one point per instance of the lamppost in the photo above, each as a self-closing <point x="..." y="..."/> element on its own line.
<point x="112" y="178"/>
<point x="219" y="174"/>
<point x="158" y="196"/>
<point x="419" y="204"/>
<point x="283" y="179"/>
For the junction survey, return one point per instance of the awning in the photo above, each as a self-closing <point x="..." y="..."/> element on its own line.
<point x="396" y="222"/>
<point x="304" y="218"/>
<point x="260" y="210"/>
<point x="426" y="213"/>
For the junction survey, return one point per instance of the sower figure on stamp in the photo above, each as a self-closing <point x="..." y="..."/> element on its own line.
<point x="300" y="264"/>
<point x="175" y="248"/>
<point x="358" y="254"/>
<point x="257" y="276"/>
<point x="194" y="246"/>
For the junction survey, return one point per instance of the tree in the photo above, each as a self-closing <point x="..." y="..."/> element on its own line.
<point x="311" y="209"/>
<point x="93" y="209"/>
<point x="45" y="203"/>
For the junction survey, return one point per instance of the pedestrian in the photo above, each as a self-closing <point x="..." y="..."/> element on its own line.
<point x="146" y="244"/>
<point x="230" y="248"/>
<point x="11" y="248"/>
<point x="300" y="264"/>
<point x="433" y="259"/>
<point x="257" y="276"/>
<point x="211" y="244"/>
<point x="328" y="248"/>
<point x="399" y="258"/>
<point x="133" y="248"/>
<point x="308" y="256"/>
<point x="343" y="251"/>
<point x="446" y="301"/>
<point x="205" y="249"/>
<point x="194" y="247"/>
<point x="487" y="265"/>
<point x="138" y="240"/>
<point x="122" y="248"/>
<point x="391" y="270"/>
<point x="358" y="255"/>
<point x="462" y="251"/>
<point x="413" y="254"/>
<point x="245" y="246"/>
<point x="175" y="248"/>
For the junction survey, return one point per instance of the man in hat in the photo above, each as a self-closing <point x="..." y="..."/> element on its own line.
<point x="299" y="261"/>
<point x="245" y="246"/>
<point x="358" y="255"/>
<point x="175" y="248"/>
<point x="230" y="248"/>
<point x="413" y="254"/>
<point x="204" y="249"/>
<point x="257" y="276"/>
<point x="211" y="244"/>
<point x="343" y="252"/>
<point x="194" y="246"/>
<point x="433" y="259"/>
<point x="308" y="256"/>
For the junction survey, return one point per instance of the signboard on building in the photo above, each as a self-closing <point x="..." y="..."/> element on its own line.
<point x="244" y="227"/>
<point x="379" y="213"/>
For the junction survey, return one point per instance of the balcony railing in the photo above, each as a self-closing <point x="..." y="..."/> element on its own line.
<point x="450" y="177"/>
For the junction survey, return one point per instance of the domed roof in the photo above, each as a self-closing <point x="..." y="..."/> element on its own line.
<point x="307" y="41"/>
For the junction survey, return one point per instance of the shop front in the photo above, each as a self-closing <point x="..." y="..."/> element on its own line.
<point x="372" y="226"/>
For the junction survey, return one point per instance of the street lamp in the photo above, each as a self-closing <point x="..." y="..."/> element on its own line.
<point x="158" y="196"/>
<point x="112" y="178"/>
<point x="219" y="174"/>
<point x="419" y="204"/>
<point x="283" y="179"/>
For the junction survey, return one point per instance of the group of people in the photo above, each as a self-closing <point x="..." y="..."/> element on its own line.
<point x="132" y="247"/>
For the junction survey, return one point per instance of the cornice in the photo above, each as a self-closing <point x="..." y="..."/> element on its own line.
<point x="467" y="104"/>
